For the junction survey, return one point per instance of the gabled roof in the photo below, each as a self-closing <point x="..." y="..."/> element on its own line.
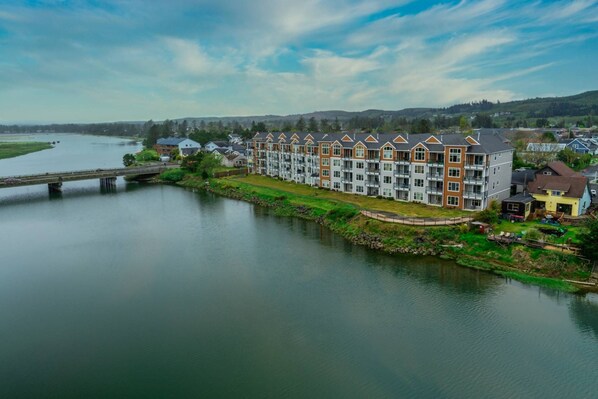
<point x="170" y="140"/>
<point x="561" y="169"/>
<point x="521" y="198"/>
<point x="573" y="186"/>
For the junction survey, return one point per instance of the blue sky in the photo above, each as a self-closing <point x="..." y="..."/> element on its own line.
<point x="93" y="61"/>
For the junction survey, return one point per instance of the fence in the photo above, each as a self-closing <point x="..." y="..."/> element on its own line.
<point x="232" y="172"/>
<point x="416" y="221"/>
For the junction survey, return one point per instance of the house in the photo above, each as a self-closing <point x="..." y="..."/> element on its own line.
<point x="234" y="161"/>
<point x="520" y="206"/>
<point x="556" y="168"/>
<point x="520" y="178"/>
<point x="577" y="145"/>
<point x="184" y="146"/>
<point x="238" y="149"/>
<point x="557" y="193"/>
<point x="448" y="170"/>
<point x="545" y="147"/>
<point x="212" y="145"/>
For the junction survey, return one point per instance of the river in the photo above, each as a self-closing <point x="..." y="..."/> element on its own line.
<point x="157" y="291"/>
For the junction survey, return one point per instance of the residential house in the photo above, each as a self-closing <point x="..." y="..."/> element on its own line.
<point x="234" y="161"/>
<point x="184" y="146"/>
<point x="520" y="206"/>
<point x="212" y="145"/>
<point x="577" y="145"/>
<point x="445" y="170"/>
<point x="235" y="139"/>
<point x="557" y="193"/>
<point x="556" y="168"/>
<point x="545" y="147"/>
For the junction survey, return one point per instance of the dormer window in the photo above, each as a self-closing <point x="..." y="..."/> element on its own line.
<point x="547" y="173"/>
<point x="554" y="192"/>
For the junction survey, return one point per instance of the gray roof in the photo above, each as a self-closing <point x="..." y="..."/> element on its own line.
<point x="521" y="197"/>
<point x="488" y="143"/>
<point x="523" y="176"/>
<point x="170" y="140"/>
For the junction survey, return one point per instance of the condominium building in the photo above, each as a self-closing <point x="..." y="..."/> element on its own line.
<point x="451" y="170"/>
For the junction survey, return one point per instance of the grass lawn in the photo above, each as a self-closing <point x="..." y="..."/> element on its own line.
<point x="11" y="150"/>
<point x="360" y="201"/>
<point x="506" y="226"/>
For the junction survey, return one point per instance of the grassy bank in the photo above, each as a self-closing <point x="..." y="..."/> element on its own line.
<point x="340" y="212"/>
<point x="11" y="150"/>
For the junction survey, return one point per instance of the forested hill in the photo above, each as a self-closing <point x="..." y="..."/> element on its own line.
<point x="577" y="109"/>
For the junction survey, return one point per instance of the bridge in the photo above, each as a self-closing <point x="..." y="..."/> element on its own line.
<point x="107" y="177"/>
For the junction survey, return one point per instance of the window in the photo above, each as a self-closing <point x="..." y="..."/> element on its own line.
<point x="325" y="183"/>
<point x="453" y="201"/>
<point x="325" y="172"/>
<point x="418" y="182"/>
<point x="455" y="155"/>
<point x="387" y="152"/>
<point x="387" y="179"/>
<point x="336" y="185"/>
<point x="337" y="173"/>
<point x="387" y="167"/>
<point x="386" y="192"/>
<point x="453" y="186"/>
<point x="454" y="172"/>
<point x="325" y="149"/>
<point x="325" y="161"/>
<point x="554" y="192"/>
<point x="359" y="189"/>
<point x="336" y="150"/>
<point x="547" y="172"/>
<point x="420" y="154"/>
<point x="418" y="196"/>
<point x="336" y="162"/>
<point x="359" y="177"/>
<point x="359" y="152"/>
<point x="419" y="169"/>
<point x="359" y="165"/>
<point x="512" y="207"/>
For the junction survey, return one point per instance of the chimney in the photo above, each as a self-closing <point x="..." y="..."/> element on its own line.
<point x="478" y="136"/>
<point x="441" y="137"/>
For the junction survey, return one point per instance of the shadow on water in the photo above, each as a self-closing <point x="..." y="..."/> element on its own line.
<point x="424" y="269"/>
<point x="584" y="313"/>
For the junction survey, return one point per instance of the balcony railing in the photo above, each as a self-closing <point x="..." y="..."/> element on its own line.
<point x="434" y="190"/>
<point x="436" y="163"/>
<point x="473" y="180"/>
<point x="372" y="184"/>
<point x="472" y="195"/>
<point x="401" y="174"/>
<point x="436" y="177"/>
<point x="474" y="166"/>
<point x="372" y="171"/>
<point x="401" y="187"/>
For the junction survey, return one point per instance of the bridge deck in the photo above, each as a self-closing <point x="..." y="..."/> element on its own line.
<point x="61" y="177"/>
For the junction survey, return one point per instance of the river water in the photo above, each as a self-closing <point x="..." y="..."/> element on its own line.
<point x="156" y="291"/>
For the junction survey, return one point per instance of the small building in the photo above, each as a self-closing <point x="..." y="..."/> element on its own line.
<point x="212" y="145"/>
<point x="234" y="161"/>
<point x="518" y="206"/>
<point x="567" y="194"/>
<point x="557" y="168"/>
<point x="184" y="146"/>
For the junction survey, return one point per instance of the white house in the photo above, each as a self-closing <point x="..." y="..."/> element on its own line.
<point x="185" y="146"/>
<point x="212" y="145"/>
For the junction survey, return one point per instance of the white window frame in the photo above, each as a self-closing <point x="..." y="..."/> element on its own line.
<point x="448" y="187"/>
<point x="454" y="155"/>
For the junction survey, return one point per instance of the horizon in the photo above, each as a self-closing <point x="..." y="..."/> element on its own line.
<point x="102" y="62"/>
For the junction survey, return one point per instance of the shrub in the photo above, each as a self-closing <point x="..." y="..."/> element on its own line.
<point x="489" y="216"/>
<point x="533" y="234"/>
<point x="173" y="175"/>
<point x="147" y="155"/>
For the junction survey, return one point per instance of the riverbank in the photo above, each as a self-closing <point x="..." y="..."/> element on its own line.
<point x="16" y="149"/>
<point x="466" y="248"/>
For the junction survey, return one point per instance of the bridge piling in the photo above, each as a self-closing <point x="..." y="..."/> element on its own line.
<point x="55" y="187"/>
<point x="108" y="183"/>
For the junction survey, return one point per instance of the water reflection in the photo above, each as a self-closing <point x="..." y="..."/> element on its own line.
<point x="584" y="312"/>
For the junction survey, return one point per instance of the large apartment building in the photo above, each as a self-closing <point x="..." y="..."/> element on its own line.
<point x="448" y="170"/>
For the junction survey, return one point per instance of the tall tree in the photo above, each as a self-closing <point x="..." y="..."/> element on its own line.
<point x="312" y="125"/>
<point x="300" y="126"/>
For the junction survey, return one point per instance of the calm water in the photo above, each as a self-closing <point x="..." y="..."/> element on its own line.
<point x="155" y="291"/>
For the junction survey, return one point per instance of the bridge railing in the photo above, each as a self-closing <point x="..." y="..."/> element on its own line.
<point x="130" y="170"/>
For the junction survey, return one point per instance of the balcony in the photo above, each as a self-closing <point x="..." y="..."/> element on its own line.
<point x="402" y="162"/>
<point x="372" y="184"/>
<point x="473" y="195"/>
<point x="434" y="190"/>
<point x="474" y="166"/>
<point x="436" y="177"/>
<point x="403" y="174"/>
<point x="436" y="163"/>
<point x="371" y="171"/>
<point x="401" y="187"/>
<point x="474" y="180"/>
<point x="372" y="160"/>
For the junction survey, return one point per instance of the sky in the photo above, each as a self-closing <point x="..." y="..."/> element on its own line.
<point x="125" y="60"/>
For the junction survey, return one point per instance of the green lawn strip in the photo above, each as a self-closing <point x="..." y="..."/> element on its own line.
<point x="11" y="150"/>
<point x="361" y="201"/>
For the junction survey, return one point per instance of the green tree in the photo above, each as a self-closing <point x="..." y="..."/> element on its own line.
<point x="207" y="165"/>
<point x="312" y="125"/>
<point x="463" y="124"/>
<point x="336" y="126"/>
<point x="588" y="240"/>
<point x="300" y="126"/>
<point x="482" y="120"/>
<point x="192" y="162"/>
<point x="128" y="159"/>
